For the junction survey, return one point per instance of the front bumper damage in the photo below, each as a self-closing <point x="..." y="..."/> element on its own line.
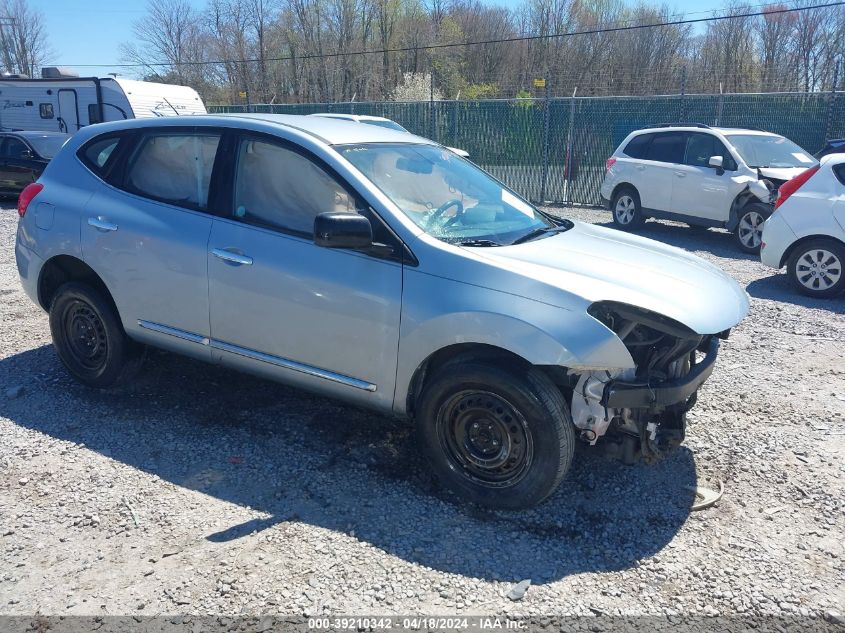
<point x="633" y="395"/>
<point x="642" y="411"/>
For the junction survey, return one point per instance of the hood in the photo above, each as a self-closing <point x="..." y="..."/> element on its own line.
<point x="601" y="264"/>
<point x="783" y="173"/>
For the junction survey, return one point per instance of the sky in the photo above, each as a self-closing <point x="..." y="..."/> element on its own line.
<point x="84" y="32"/>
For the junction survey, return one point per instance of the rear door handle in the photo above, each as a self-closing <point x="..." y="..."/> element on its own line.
<point x="681" y="174"/>
<point x="232" y="258"/>
<point x="101" y="224"/>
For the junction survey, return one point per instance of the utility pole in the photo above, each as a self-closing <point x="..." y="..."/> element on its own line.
<point x="831" y="105"/>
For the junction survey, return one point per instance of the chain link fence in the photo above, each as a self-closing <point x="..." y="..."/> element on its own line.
<point x="553" y="150"/>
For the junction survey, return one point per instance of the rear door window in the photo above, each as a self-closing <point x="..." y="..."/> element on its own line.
<point x="173" y="167"/>
<point x="667" y="147"/>
<point x="637" y="147"/>
<point x="279" y="188"/>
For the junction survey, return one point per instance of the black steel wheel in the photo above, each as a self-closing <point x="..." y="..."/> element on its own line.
<point x="486" y="437"/>
<point x="89" y="337"/>
<point x="85" y="335"/>
<point x="495" y="433"/>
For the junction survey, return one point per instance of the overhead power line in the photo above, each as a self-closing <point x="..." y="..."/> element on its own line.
<point x="775" y="10"/>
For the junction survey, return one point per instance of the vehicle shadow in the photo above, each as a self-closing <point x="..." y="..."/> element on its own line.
<point x="299" y="457"/>
<point x="776" y="287"/>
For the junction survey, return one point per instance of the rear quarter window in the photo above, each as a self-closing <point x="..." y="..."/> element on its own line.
<point x="637" y="147"/>
<point x="839" y="172"/>
<point x="98" y="153"/>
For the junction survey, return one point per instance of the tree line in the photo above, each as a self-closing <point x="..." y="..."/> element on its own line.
<point x="277" y="51"/>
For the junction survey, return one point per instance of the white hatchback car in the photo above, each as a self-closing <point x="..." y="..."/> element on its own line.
<point x="806" y="233"/>
<point x="701" y="175"/>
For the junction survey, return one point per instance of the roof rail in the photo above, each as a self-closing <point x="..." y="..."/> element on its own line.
<point x="744" y="127"/>
<point x="679" y="124"/>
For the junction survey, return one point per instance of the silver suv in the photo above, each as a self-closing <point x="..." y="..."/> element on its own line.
<point x="378" y="268"/>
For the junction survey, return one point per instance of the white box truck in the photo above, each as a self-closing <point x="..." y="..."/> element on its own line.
<point x="63" y="102"/>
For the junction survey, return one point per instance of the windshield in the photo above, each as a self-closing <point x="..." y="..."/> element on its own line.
<point x="447" y="196"/>
<point x="390" y="125"/>
<point x="770" y="151"/>
<point x="47" y="146"/>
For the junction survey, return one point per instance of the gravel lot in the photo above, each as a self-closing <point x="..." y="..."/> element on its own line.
<point x="200" y="490"/>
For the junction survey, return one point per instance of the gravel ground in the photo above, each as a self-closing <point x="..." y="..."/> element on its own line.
<point x="200" y="490"/>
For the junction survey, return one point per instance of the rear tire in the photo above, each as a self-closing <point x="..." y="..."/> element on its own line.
<point x="626" y="209"/>
<point x="815" y="268"/>
<point x="749" y="227"/>
<point x="501" y="438"/>
<point x="89" y="338"/>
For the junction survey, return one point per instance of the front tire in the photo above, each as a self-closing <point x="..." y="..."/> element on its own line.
<point x="815" y="268"/>
<point x="749" y="227"/>
<point x="89" y="338"/>
<point x="627" y="211"/>
<point x="501" y="438"/>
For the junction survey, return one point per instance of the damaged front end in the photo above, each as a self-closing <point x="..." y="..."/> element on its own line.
<point x="642" y="410"/>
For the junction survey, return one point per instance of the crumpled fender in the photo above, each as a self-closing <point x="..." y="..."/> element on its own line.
<point x="754" y="191"/>
<point x="540" y="333"/>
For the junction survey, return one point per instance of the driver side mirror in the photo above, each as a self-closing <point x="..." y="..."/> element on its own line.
<point x="342" y="230"/>
<point x="717" y="162"/>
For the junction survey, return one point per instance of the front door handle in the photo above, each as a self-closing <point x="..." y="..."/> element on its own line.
<point x="232" y="258"/>
<point x="681" y="174"/>
<point x="101" y="224"/>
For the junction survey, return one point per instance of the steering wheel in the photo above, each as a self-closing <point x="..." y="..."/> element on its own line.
<point x="437" y="213"/>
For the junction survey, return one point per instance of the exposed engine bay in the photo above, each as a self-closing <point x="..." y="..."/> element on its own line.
<point x="642" y="410"/>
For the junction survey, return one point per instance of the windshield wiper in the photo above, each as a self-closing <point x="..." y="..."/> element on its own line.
<point x="546" y="230"/>
<point x="478" y="242"/>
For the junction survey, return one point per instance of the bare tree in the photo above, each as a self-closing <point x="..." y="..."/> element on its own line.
<point x="23" y="37"/>
<point x="169" y="42"/>
<point x="317" y="50"/>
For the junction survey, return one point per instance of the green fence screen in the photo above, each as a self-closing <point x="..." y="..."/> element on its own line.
<point x="554" y="150"/>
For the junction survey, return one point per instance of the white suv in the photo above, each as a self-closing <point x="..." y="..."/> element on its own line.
<point x="701" y="175"/>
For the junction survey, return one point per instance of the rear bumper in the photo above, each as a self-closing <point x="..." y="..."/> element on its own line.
<point x="619" y="394"/>
<point x="777" y="238"/>
<point x="29" y="268"/>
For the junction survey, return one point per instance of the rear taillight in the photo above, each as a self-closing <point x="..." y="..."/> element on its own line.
<point x="28" y="193"/>
<point x="610" y="163"/>
<point x="791" y="186"/>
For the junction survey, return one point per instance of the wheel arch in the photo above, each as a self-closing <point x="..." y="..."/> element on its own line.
<point x="454" y="353"/>
<point x="623" y="185"/>
<point x="803" y="240"/>
<point x="555" y="340"/>
<point x="61" y="269"/>
<point x="742" y="200"/>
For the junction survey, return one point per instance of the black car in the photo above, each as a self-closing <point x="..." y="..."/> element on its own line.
<point x="24" y="155"/>
<point x="833" y="146"/>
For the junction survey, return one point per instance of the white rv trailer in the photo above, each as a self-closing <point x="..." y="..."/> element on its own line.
<point x="62" y="103"/>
